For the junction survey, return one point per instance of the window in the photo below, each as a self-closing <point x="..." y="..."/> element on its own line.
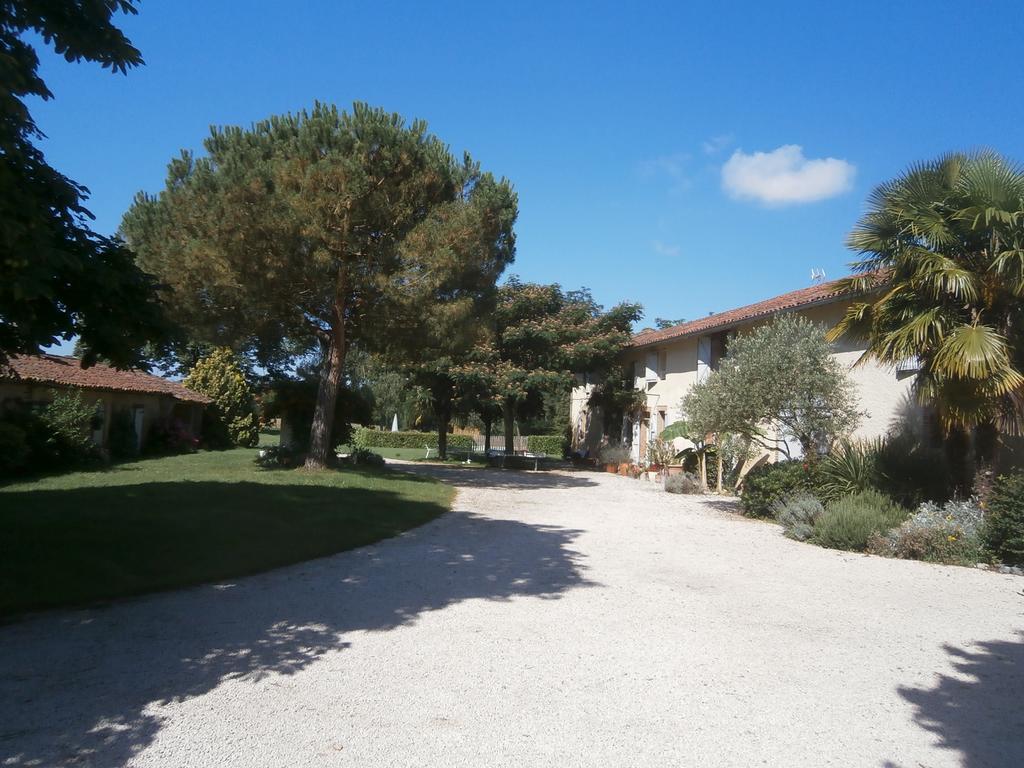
<point x="662" y="364"/>
<point x="718" y="349"/>
<point x="652" y="366"/>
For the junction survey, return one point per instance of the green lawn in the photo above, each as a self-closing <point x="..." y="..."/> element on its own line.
<point x="162" y="523"/>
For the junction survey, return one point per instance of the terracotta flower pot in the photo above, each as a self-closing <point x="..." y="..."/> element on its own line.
<point x="611" y="468"/>
<point x="675" y="469"/>
<point x="624" y="469"/>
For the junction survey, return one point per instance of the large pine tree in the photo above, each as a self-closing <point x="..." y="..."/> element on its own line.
<point x="320" y="229"/>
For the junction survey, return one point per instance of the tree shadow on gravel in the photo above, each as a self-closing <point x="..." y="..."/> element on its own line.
<point x="85" y="688"/>
<point x="977" y="713"/>
<point x="510" y="479"/>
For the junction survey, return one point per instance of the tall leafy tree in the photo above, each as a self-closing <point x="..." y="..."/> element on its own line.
<point x="293" y="231"/>
<point x="542" y="336"/>
<point x="465" y="245"/>
<point x="231" y="418"/>
<point x="58" y="278"/>
<point x="943" y="277"/>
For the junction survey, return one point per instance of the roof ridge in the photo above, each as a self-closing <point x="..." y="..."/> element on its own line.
<point x="47" y="368"/>
<point x="785" y="301"/>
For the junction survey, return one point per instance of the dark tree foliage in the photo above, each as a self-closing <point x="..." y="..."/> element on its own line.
<point x="541" y="335"/>
<point x="58" y="278"/>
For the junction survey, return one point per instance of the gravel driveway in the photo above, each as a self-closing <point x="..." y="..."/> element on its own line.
<point x="551" y="620"/>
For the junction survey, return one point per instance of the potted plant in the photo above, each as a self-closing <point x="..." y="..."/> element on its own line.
<point x="659" y="454"/>
<point x="613" y="456"/>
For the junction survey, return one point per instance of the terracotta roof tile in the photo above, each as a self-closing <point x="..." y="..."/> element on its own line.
<point x="816" y="294"/>
<point x="57" y="369"/>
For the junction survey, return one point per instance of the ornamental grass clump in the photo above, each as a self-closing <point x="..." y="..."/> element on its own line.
<point x="849" y="523"/>
<point x="797" y="514"/>
<point x="850" y="468"/>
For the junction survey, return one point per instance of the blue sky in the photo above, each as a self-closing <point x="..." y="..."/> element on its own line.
<point x="632" y="134"/>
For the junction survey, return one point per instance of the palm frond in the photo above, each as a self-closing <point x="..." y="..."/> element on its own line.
<point x="855" y="323"/>
<point x="975" y="352"/>
<point x="941" y="274"/>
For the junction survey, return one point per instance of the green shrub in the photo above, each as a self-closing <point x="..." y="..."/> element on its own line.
<point x="549" y="445"/>
<point x="682" y="483"/>
<point x="277" y="456"/>
<point x="902" y="466"/>
<point x="932" y="545"/>
<point x="14" y="450"/>
<point x="366" y="457"/>
<point x="54" y="438"/>
<point x="936" y="533"/>
<point x="378" y="438"/>
<point x="769" y="483"/>
<point x="43" y="451"/>
<point x="170" y="436"/>
<point x="69" y="416"/>
<point x="231" y="418"/>
<point x="1002" y="533"/>
<point x="797" y="515"/>
<point x="848" y="523"/>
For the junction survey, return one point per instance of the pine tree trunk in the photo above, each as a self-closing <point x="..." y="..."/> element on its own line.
<point x="487" y="435"/>
<point x="718" y="482"/>
<point x="326" y="402"/>
<point x="442" y="437"/>
<point x="509" y="414"/>
<point x="703" y="464"/>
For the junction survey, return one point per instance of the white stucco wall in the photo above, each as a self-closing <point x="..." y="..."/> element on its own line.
<point x="881" y="393"/>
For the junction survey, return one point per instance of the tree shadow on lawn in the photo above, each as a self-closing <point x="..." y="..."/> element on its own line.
<point x="86" y="687"/>
<point x="977" y="713"/>
<point x="509" y="479"/>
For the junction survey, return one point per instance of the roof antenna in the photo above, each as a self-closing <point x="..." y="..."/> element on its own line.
<point x="817" y="275"/>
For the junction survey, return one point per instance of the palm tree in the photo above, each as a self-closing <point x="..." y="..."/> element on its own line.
<point x="942" y="271"/>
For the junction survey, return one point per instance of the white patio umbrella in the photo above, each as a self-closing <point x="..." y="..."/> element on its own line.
<point x="394" y="423"/>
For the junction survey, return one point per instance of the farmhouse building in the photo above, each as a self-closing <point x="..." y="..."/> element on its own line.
<point x="666" y="363"/>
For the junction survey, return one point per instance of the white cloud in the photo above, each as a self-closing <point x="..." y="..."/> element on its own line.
<point x="785" y="176"/>
<point x="716" y="144"/>
<point x="665" y="249"/>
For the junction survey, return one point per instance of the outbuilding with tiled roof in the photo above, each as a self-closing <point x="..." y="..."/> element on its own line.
<point x="138" y="399"/>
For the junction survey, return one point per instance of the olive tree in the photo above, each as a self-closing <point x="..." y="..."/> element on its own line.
<point x="779" y="382"/>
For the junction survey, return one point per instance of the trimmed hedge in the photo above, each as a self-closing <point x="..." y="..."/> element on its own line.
<point x="377" y="438"/>
<point x="550" y="445"/>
